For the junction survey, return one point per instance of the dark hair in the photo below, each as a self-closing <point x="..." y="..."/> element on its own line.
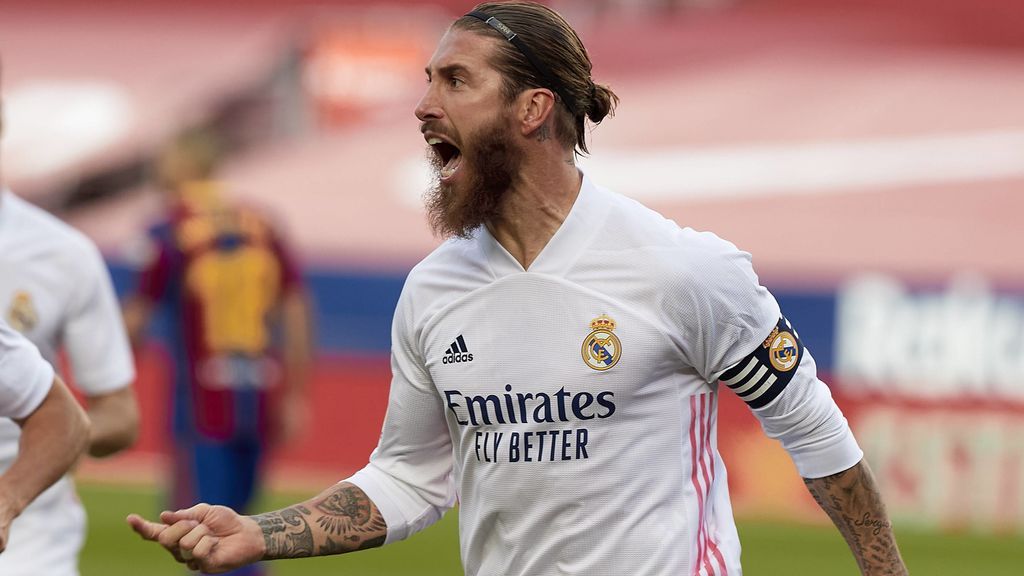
<point x="557" y="47"/>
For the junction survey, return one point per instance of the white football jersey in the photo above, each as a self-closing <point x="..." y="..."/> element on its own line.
<point x="25" y="378"/>
<point x="571" y="408"/>
<point x="56" y="290"/>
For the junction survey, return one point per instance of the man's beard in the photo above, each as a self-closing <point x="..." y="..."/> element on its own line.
<point x="490" y="163"/>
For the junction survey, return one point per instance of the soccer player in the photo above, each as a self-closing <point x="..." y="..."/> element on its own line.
<point x="54" y="432"/>
<point x="241" y="337"/>
<point x="557" y="362"/>
<point x="56" y="290"/>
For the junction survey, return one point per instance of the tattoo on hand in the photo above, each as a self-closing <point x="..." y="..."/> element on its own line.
<point x="851" y="499"/>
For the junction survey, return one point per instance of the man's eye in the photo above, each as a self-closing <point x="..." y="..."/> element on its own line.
<point x="455" y="82"/>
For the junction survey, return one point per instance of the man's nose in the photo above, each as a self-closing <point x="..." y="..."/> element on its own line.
<point x="428" y="107"/>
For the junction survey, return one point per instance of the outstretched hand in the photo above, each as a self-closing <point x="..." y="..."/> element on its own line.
<point x="211" y="539"/>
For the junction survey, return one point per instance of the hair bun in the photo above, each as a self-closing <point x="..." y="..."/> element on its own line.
<point x="602" y="103"/>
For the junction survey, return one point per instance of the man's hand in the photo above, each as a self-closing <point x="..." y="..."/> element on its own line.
<point x="216" y="539"/>
<point x="211" y="539"/>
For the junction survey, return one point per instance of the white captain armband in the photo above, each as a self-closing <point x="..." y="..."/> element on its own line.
<point x="763" y="374"/>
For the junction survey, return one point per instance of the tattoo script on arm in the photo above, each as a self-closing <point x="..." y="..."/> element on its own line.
<point x="851" y="499"/>
<point x="341" y="519"/>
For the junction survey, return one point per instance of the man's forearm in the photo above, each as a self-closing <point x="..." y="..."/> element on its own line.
<point x="851" y="499"/>
<point x="341" y="519"/>
<point x="298" y="340"/>
<point x="115" y="422"/>
<point x="136" y="311"/>
<point x="52" y="439"/>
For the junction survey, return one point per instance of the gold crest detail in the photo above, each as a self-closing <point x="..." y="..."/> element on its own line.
<point x="601" y="348"/>
<point x="783" y="351"/>
<point x="22" y="314"/>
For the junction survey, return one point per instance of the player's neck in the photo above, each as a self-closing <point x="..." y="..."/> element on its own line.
<point x="535" y="208"/>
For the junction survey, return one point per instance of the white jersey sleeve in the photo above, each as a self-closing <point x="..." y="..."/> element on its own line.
<point x="737" y="334"/>
<point x="94" y="335"/>
<point x="409" y="476"/>
<point x="722" y="310"/>
<point x="809" y="424"/>
<point x="25" y="378"/>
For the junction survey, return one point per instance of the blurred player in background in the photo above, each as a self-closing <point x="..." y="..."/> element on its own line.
<point x="241" y="336"/>
<point x="54" y="433"/>
<point x="56" y="290"/>
<point x="557" y="363"/>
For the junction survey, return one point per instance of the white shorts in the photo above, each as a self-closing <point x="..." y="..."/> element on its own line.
<point x="46" y="539"/>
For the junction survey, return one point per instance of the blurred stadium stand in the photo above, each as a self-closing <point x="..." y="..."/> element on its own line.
<point x="869" y="154"/>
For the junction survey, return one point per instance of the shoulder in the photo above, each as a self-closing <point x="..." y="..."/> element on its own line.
<point x="680" y="250"/>
<point x="446" y="267"/>
<point x="40" y="223"/>
<point x="455" y="268"/>
<point x="704" y="252"/>
<point x="58" y="243"/>
<point x="699" y="269"/>
<point x="25" y="377"/>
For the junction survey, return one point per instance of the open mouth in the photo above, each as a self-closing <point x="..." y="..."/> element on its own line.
<point x="451" y="157"/>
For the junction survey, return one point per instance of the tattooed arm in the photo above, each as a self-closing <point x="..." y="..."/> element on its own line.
<point x="851" y="499"/>
<point x="340" y="519"/>
<point x="216" y="539"/>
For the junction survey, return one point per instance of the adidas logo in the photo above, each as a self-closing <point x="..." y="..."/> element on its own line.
<point x="457" y="352"/>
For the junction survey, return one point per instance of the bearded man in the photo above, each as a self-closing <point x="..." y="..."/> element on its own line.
<point x="557" y="362"/>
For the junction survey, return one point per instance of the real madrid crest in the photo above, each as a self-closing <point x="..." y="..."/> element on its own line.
<point x="783" y="351"/>
<point x="22" y="314"/>
<point x="601" y="348"/>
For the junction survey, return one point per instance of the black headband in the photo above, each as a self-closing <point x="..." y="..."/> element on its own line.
<point x="548" y="78"/>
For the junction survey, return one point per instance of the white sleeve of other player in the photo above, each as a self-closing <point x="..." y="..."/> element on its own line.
<point x="25" y="378"/>
<point x="409" y="476"/>
<point x="94" y="334"/>
<point x="732" y="316"/>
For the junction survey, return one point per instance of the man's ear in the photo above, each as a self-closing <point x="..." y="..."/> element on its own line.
<point x="536" y="106"/>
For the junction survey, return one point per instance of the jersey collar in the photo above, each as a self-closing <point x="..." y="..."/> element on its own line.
<point x="567" y="244"/>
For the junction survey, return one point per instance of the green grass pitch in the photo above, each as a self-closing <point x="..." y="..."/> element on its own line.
<point x="769" y="548"/>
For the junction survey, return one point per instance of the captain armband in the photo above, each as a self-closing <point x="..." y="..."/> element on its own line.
<point x="762" y="375"/>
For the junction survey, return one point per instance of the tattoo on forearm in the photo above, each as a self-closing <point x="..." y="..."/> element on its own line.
<point x="341" y="520"/>
<point x="350" y="514"/>
<point x="287" y="533"/>
<point x="851" y="499"/>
